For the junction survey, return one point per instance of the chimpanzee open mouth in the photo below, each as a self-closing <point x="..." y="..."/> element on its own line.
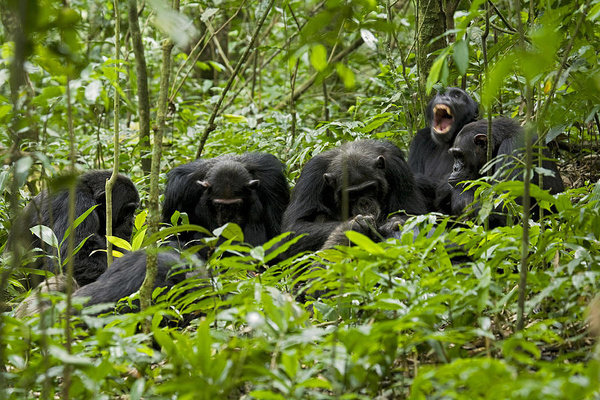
<point x="442" y="118"/>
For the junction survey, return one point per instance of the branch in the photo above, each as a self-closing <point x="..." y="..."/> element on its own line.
<point x="310" y="81"/>
<point x="210" y="126"/>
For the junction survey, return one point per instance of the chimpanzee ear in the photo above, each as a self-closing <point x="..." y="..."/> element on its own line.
<point x="204" y="184"/>
<point x="253" y="184"/>
<point x="380" y="162"/>
<point x="480" y="140"/>
<point x="329" y="179"/>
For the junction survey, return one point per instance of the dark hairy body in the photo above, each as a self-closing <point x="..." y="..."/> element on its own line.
<point x="470" y="155"/>
<point x="250" y="190"/>
<point x="428" y="155"/>
<point x="366" y="180"/>
<point x="52" y="210"/>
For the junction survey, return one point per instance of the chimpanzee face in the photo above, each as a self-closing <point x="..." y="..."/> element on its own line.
<point x="470" y="154"/>
<point x="228" y="194"/>
<point x="366" y="184"/>
<point x="448" y="112"/>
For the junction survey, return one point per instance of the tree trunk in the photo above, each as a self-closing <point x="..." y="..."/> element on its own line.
<point x="431" y="23"/>
<point x="142" y="86"/>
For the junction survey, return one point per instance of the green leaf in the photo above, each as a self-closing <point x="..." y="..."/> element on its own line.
<point x="138" y="239"/>
<point x="237" y="119"/>
<point x="434" y="73"/>
<point x="117" y="241"/>
<point x="46" y="234"/>
<point x="140" y="219"/>
<point x="318" y="57"/>
<point x="346" y="74"/>
<point x="230" y="231"/>
<point x="61" y="354"/>
<point x="22" y="169"/>
<point x="77" y="222"/>
<point x="137" y="389"/>
<point x="461" y="56"/>
<point x="364" y="242"/>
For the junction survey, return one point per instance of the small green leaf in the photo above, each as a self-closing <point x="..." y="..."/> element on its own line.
<point x="117" y="241"/>
<point x="140" y="219"/>
<point x="318" y="57"/>
<point x="77" y="222"/>
<point x="138" y="239"/>
<point x="237" y="119"/>
<point x="346" y="74"/>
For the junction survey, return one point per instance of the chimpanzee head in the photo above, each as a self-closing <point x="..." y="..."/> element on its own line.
<point x="125" y="200"/>
<point x="448" y="112"/>
<point x="360" y="175"/>
<point x="469" y="152"/>
<point x="229" y="194"/>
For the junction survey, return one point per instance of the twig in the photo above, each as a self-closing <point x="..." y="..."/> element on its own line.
<point x="310" y="81"/>
<point x="210" y="126"/>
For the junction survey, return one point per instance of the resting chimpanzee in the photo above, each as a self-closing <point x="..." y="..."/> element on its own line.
<point x="428" y="155"/>
<point x="126" y="274"/>
<point x="249" y="189"/>
<point x="53" y="209"/>
<point x="374" y="178"/>
<point x="470" y="155"/>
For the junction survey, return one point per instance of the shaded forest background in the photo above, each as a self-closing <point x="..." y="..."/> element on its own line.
<point x="294" y="79"/>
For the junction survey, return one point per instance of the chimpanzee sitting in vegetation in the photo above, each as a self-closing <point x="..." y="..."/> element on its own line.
<point x="53" y="209"/>
<point x="250" y="190"/>
<point x="353" y="187"/>
<point x="470" y="155"/>
<point x="428" y="156"/>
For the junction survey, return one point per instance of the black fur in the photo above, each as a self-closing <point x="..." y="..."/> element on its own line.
<point x="379" y="182"/>
<point x="126" y="274"/>
<point x="470" y="155"/>
<point x="249" y="189"/>
<point x="52" y="210"/>
<point x="428" y="156"/>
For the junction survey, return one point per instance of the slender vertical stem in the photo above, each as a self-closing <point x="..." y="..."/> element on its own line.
<point x="70" y="244"/>
<point x="153" y="206"/>
<point x="110" y="183"/>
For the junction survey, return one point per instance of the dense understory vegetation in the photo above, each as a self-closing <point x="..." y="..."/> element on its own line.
<point x="393" y="319"/>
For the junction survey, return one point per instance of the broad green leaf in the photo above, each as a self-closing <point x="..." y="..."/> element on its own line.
<point x="318" y="57"/>
<point x="117" y="241"/>
<point x="46" y="234"/>
<point x="346" y="74"/>
<point x="461" y="56"/>
<point x="436" y="69"/>
<point x="22" y="169"/>
<point x="364" y="242"/>
<point x="230" y="231"/>
<point x="138" y="239"/>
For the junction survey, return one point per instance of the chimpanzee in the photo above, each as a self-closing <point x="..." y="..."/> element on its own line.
<point x="249" y="189"/>
<point x="470" y="155"/>
<point x="126" y="275"/>
<point x="369" y="177"/>
<point x="428" y="155"/>
<point x="53" y="209"/>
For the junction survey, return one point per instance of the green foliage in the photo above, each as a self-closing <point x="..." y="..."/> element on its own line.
<point x="428" y="315"/>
